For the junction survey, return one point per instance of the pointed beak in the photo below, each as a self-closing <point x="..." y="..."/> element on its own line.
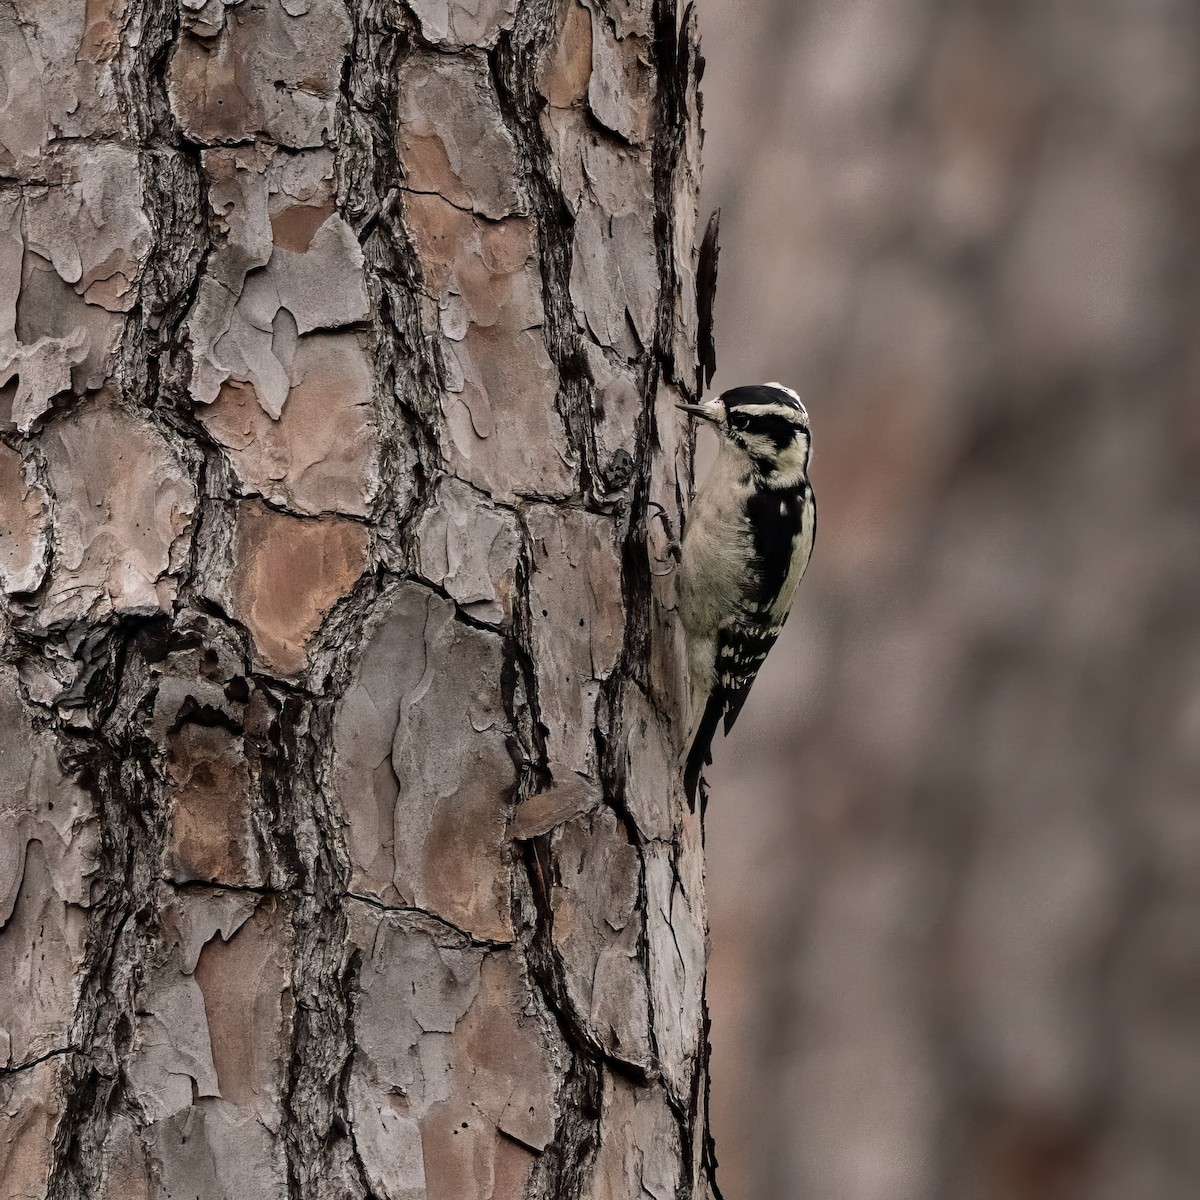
<point x="706" y="412"/>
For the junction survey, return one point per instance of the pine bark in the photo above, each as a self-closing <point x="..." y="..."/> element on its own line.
<point x="345" y="852"/>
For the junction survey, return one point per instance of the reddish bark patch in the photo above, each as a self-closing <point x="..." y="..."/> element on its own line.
<point x="563" y="78"/>
<point x="295" y="226"/>
<point x="213" y="92"/>
<point x="288" y="573"/>
<point x="209" y="835"/>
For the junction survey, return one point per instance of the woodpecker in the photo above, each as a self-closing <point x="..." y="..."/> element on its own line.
<point x="747" y="541"/>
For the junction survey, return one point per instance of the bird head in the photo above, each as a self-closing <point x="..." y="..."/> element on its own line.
<point x="767" y="423"/>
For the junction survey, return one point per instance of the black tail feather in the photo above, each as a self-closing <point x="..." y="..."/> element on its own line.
<point x="699" y="755"/>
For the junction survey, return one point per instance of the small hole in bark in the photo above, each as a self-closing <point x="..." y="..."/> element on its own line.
<point x="545" y="613"/>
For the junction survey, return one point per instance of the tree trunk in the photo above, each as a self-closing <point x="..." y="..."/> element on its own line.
<point x="345" y="853"/>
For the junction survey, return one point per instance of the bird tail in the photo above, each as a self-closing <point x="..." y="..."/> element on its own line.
<point x="699" y="754"/>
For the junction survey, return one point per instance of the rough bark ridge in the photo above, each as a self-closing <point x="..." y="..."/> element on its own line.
<point x="345" y="854"/>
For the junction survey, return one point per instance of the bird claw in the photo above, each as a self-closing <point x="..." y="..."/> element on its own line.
<point x="674" y="549"/>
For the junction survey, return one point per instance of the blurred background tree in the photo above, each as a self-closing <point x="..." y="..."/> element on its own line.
<point x="953" y="844"/>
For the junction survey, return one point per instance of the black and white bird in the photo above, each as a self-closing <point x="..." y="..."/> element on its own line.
<point x="747" y="541"/>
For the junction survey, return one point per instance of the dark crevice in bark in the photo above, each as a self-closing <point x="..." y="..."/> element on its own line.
<point x="437" y="924"/>
<point x="307" y="844"/>
<point x="29" y="1064"/>
<point x="296" y="766"/>
<point x="562" y="1170"/>
<point x="514" y="62"/>
<point x="407" y="370"/>
<point x="99" y="721"/>
<point x="523" y="708"/>
<point x="117" y="767"/>
<point x="199" y="886"/>
<point x="342" y="1125"/>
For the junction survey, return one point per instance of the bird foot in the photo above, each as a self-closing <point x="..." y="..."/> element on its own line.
<point x="674" y="551"/>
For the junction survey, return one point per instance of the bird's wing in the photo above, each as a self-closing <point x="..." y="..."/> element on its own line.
<point x="742" y="645"/>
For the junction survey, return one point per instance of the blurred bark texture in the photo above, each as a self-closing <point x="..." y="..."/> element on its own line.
<point x="343" y="854"/>
<point x="955" y="839"/>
